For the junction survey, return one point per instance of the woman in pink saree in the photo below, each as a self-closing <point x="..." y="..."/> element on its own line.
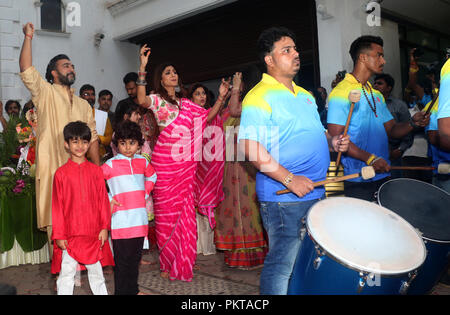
<point x="209" y="176"/>
<point x="175" y="159"/>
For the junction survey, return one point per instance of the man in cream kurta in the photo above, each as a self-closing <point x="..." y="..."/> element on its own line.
<point x="56" y="106"/>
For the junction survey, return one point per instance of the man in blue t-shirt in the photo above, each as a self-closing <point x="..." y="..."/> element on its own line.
<point x="371" y="123"/>
<point x="443" y="114"/>
<point x="281" y="134"/>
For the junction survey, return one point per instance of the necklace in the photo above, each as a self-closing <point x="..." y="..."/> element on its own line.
<point x="374" y="106"/>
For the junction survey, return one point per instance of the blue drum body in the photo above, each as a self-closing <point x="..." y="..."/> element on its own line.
<point x="427" y="208"/>
<point x="332" y="277"/>
<point x="432" y="269"/>
<point x="351" y="246"/>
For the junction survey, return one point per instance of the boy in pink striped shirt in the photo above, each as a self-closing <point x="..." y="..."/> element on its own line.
<point x="130" y="179"/>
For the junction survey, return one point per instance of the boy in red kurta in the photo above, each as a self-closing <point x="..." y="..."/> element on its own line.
<point x="81" y="215"/>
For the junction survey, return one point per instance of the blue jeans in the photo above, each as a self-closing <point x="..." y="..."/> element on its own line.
<point x="282" y="221"/>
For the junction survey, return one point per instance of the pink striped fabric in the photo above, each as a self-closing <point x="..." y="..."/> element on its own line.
<point x="209" y="176"/>
<point x="175" y="159"/>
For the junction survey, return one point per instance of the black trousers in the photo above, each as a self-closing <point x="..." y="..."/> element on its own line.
<point x="127" y="256"/>
<point x="365" y="191"/>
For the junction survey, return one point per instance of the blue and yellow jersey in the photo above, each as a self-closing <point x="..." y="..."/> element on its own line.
<point x="438" y="155"/>
<point x="444" y="108"/>
<point x="366" y="130"/>
<point x="288" y="125"/>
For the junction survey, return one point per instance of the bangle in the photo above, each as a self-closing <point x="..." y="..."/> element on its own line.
<point x="142" y="73"/>
<point x="371" y="159"/>
<point x="288" y="179"/>
<point x="413" y="70"/>
<point x="29" y="36"/>
<point x="141" y="82"/>
<point x="376" y="159"/>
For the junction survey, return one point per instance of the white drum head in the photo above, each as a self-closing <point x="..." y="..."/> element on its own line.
<point x="365" y="236"/>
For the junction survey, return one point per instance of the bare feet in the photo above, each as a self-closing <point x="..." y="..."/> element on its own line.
<point x="142" y="293"/>
<point x="164" y="274"/>
<point x="197" y="267"/>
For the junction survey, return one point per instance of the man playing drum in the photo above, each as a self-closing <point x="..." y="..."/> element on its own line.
<point x="371" y="122"/>
<point x="281" y="134"/>
<point x="443" y="115"/>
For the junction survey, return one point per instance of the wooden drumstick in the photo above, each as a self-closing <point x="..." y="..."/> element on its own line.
<point x="432" y="104"/>
<point x="367" y="172"/>
<point x="354" y="96"/>
<point x="413" y="168"/>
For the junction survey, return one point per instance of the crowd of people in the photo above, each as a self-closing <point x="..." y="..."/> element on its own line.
<point x="205" y="171"/>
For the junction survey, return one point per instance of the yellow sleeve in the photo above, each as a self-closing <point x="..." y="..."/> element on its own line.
<point x="106" y="139"/>
<point x="34" y="82"/>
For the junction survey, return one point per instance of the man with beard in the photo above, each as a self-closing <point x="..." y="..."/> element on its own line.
<point x="371" y="123"/>
<point x="56" y="106"/>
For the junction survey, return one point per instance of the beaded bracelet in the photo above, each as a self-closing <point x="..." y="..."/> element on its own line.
<point x="288" y="179"/>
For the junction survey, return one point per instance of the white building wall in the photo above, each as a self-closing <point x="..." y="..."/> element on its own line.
<point x="341" y="23"/>
<point x="103" y="66"/>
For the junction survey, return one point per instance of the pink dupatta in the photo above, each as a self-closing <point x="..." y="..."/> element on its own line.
<point x="175" y="158"/>
<point x="209" y="176"/>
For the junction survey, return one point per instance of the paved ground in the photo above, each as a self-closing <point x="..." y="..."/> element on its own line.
<point x="36" y="279"/>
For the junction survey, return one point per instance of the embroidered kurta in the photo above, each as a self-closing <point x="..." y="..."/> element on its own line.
<point x="54" y="112"/>
<point x="80" y="210"/>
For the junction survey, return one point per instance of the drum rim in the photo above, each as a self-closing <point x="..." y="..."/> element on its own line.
<point x="410" y="179"/>
<point x="357" y="267"/>
<point x="415" y="180"/>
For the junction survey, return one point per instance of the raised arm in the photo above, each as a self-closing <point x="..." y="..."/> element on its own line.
<point x="223" y="95"/>
<point x="235" y="105"/>
<point x="141" y="92"/>
<point x="26" y="60"/>
<point x="412" y="80"/>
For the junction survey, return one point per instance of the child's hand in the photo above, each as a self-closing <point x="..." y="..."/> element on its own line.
<point x="103" y="236"/>
<point x="62" y="244"/>
<point x="114" y="203"/>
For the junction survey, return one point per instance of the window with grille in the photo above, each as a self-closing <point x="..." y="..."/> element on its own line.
<point x="51" y="15"/>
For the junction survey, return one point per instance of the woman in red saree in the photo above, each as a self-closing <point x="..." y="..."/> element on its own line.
<point x="175" y="159"/>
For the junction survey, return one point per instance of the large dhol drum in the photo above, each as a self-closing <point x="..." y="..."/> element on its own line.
<point x="427" y="208"/>
<point x="352" y="246"/>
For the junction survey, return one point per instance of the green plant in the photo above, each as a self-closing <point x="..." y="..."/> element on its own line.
<point x="16" y="182"/>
